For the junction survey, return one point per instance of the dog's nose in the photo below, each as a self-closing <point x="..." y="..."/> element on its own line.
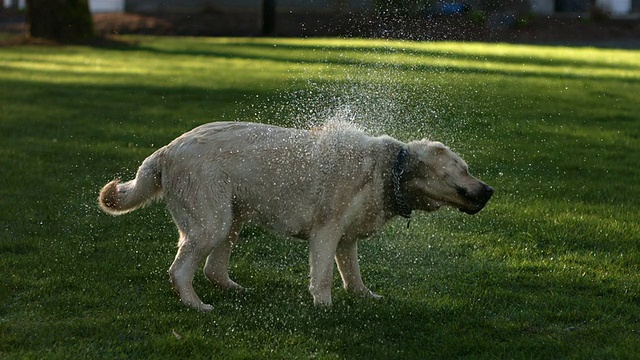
<point x="488" y="189"/>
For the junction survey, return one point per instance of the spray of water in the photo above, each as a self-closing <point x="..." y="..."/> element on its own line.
<point x="380" y="98"/>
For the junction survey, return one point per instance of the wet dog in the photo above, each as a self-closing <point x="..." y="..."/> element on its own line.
<point x="331" y="186"/>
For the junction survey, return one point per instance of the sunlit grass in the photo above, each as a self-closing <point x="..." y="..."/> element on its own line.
<point x="551" y="268"/>
<point x="308" y="55"/>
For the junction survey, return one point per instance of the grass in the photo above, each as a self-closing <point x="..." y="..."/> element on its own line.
<point x="550" y="269"/>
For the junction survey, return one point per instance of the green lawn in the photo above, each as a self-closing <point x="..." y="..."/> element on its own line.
<point x="550" y="269"/>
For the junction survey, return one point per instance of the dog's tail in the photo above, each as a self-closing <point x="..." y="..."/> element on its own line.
<point x="120" y="198"/>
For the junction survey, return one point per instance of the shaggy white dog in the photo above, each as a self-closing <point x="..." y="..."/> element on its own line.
<point x="332" y="186"/>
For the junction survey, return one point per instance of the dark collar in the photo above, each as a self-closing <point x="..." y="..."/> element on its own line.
<point x="398" y="194"/>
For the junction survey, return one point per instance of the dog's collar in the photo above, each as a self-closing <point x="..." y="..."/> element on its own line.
<point x="398" y="195"/>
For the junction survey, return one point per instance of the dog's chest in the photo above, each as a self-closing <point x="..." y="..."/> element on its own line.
<point x="364" y="218"/>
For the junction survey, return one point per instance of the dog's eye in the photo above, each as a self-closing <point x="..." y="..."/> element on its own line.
<point x="461" y="191"/>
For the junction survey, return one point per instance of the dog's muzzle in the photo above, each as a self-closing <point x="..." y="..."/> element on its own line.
<point x="475" y="200"/>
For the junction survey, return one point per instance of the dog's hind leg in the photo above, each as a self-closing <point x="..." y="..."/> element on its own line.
<point x="216" y="269"/>
<point x="194" y="247"/>
<point x="202" y="229"/>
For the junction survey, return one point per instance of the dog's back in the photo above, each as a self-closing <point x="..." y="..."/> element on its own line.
<point x="278" y="177"/>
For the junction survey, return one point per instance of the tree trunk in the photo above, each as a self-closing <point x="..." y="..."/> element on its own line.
<point x="268" y="17"/>
<point x="66" y="21"/>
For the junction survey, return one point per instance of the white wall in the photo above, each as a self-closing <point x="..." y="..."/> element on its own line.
<point x="94" y="5"/>
<point x="542" y="7"/>
<point x="21" y="3"/>
<point x="106" y="5"/>
<point x="195" y="5"/>
<point x="615" y="7"/>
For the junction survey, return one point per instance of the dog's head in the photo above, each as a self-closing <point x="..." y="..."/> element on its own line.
<point x="437" y="176"/>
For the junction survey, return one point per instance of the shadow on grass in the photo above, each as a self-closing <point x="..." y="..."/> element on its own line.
<point x="524" y="309"/>
<point x="105" y="42"/>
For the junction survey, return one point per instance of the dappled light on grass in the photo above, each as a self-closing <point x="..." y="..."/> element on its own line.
<point x="155" y="61"/>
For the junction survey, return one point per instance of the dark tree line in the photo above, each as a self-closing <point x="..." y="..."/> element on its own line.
<point x="65" y="21"/>
<point x="70" y="21"/>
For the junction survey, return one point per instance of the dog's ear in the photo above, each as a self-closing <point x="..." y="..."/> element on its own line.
<point x="438" y="146"/>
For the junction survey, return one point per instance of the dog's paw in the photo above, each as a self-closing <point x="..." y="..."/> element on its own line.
<point x="199" y="305"/>
<point x="204" y="307"/>
<point x="373" y="295"/>
<point x="322" y="302"/>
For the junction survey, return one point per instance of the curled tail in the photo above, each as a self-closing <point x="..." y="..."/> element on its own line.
<point x="120" y="198"/>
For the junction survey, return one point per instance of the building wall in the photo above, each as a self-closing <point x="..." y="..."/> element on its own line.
<point x="614" y="7"/>
<point x="96" y="6"/>
<point x="240" y="5"/>
<point x="21" y="3"/>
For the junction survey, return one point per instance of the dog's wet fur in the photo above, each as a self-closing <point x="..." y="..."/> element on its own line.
<point x="331" y="186"/>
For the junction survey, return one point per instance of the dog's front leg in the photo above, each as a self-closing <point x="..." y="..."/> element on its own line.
<point x="322" y="249"/>
<point x="347" y="260"/>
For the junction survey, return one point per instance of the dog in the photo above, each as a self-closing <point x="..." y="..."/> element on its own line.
<point x="332" y="186"/>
